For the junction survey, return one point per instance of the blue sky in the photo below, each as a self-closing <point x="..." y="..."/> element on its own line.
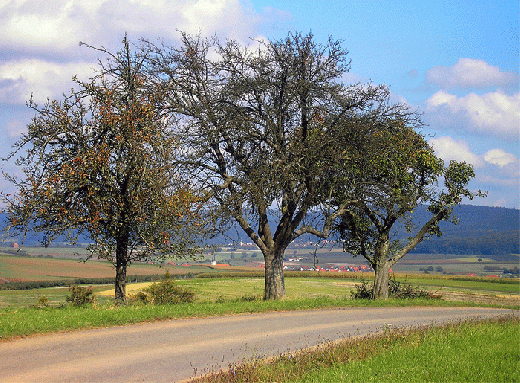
<point x="457" y="61"/>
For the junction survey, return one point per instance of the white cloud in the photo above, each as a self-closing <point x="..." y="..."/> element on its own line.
<point x="496" y="172"/>
<point x="494" y="113"/>
<point x="470" y="73"/>
<point x="55" y="26"/>
<point x="499" y="157"/>
<point x="40" y="38"/>
<point x="36" y="25"/>
<point x="19" y="79"/>
<point x="448" y="149"/>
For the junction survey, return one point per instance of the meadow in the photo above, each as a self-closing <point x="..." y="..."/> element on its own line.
<point x="26" y="312"/>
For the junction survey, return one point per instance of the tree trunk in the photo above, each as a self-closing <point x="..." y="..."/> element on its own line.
<point x="381" y="280"/>
<point x="274" y="280"/>
<point x="121" y="265"/>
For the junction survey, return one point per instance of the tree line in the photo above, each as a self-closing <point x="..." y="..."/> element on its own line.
<point x="167" y="144"/>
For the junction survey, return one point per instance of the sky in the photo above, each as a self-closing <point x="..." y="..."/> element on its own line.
<point x="455" y="61"/>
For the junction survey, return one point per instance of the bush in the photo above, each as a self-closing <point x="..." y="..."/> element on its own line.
<point x="396" y="289"/>
<point x="404" y="290"/>
<point x="364" y="290"/>
<point x="167" y="292"/>
<point x="80" y="296"/>
<point x="43" y="301"/>
<point x="139" y="297"/>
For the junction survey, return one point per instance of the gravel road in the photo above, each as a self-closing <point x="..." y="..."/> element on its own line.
<point x="177" y="350"/>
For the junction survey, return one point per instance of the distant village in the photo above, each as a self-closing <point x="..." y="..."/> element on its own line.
<point x="249" y="253"/>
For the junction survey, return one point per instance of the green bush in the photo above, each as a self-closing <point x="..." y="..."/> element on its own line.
<point x="139" y="297"/>
<point x="396" y="289"/>
<point x="167" y="292"/>
<point x="43" y="301"/>
<point x="80" y="296"/>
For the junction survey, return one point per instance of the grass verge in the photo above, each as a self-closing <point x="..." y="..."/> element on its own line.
<point x="450" y="353"/>
<point x="21" y="322"/>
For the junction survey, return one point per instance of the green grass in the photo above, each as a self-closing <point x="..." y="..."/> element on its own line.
<point x="465" y="284"/>
<point x="25" y="321"/>
<point x="211" y="289"/>
<point x="450" y="353"/>
<point x="226" y="288"/>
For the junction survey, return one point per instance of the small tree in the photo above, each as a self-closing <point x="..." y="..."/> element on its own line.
<point x="399" y="173"/>
<point x="101" y="163"/>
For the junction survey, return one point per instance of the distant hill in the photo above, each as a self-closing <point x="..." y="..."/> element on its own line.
<point x="482" y="230"/>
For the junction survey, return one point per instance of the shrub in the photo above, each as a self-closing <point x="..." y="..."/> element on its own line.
<point x="396" y="289"/>
<point x="43" y="301"/>
<point x="167" y="292"/>
<point x="139" y="297"/>
<point x="405" y="290"/>
<point x="364" y="290"/>
<point x="80" y="296"/>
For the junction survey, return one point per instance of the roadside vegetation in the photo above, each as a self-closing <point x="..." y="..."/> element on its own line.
<point x="47" y="310"/>
<point x="449" y="353"/>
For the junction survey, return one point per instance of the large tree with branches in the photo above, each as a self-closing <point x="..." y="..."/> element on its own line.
<point x="260" y="133"/>
<point x="101" y="162"/>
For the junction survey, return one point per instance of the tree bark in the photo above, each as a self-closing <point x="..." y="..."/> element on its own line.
<point x="121" y="266"/>
<point x="381" y="280"/>
<point x="381" y="267"/>
<point x="274" y="279"/>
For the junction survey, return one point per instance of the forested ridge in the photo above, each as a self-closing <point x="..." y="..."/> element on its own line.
<point x="481" y="230"/>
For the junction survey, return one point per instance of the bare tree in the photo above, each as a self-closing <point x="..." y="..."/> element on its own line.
<point x="261" y="131"/>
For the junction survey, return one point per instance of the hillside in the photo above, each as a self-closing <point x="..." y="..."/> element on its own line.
<point x="482" y="230"/>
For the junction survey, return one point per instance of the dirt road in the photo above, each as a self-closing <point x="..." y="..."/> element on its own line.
<point x="176" y="350"/>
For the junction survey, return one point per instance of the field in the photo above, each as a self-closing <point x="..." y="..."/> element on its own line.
<point x="43" y="268"/>
<point x="65" y="265"/>
<point x="447" y="264"/>
<point x="306" y="284"/>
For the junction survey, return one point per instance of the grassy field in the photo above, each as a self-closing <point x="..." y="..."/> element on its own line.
<point x="217" y="291"/>
<point x="23" y="314"/>
<point x="298" y="286"/>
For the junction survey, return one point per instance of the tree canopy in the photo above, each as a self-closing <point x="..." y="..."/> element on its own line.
<point x="247" y="133"/>
<point x="400" y="173"/>
<point x="101" y="162"/>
